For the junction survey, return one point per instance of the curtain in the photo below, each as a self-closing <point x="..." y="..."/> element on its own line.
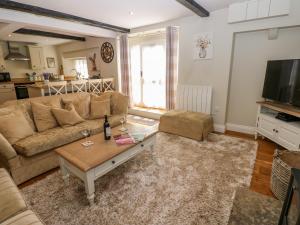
<point x="172" y="48"/>
<point x="125" y="66"/>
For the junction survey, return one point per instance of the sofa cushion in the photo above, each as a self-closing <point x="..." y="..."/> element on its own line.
<point x="11" y="201"/>
<point x="81" y="102"/>
<point x="25" y="218"/>
<point x="8" y="108"/>
<point x="99" y="109"/>
<point x="6" y="150"/>
<point x="43" y="116"/>
<point x="67" y="117"/>
<point x="119" y="102"/>
<point x="56" y="137"/>
<point x="14" y="126"/>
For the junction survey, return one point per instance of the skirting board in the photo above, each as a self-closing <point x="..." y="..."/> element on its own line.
<point x="240" y="128"/>
<point x="219" y="128"/>
<point x="146" y="114"/>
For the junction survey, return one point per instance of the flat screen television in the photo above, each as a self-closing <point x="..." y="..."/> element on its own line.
<point x="282" y="81"/>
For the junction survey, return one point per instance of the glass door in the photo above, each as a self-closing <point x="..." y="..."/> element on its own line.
<point x="148" y="71"/>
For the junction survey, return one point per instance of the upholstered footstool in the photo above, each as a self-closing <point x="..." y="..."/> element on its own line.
<point x="194" y="125"/>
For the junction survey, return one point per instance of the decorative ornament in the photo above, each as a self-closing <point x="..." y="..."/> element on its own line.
<point x="107" y="52"/>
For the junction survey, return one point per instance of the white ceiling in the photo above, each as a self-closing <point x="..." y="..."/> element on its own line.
<point x="117" y="12"/>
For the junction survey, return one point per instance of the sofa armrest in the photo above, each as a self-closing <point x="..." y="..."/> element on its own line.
<point x="7" y="152"/>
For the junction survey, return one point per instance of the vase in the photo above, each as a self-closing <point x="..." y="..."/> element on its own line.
<point x="202" y="53"/>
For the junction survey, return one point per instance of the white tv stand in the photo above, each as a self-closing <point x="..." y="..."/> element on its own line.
<point x="286" y="134"/>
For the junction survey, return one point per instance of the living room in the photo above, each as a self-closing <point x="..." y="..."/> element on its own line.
<point x="161" y="112"/>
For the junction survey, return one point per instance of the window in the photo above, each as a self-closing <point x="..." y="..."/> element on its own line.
<point x="81" y="67"/>
<point x="148" y="71"/>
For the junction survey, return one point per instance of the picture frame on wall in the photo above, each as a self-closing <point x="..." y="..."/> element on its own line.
<point x="50" y="62"/>
<point x="203" y="46"/>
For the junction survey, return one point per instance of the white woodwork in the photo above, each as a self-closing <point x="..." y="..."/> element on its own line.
<point x="95" y="86"/>
<point x="36" y="57"/>
<point x="263" y="8"/>
<point x="7" y="92"/>
<point x="257" y="9"/>
<point x="2" y="61"/>
<point x="57" y="88"/>
<point x="286" y="134"/>
<point x="237" y="12"/>
<point x="194" y="98"/>
<point x="252" y="9"/>
<point x="91" y="175"/>
<point x="279" y="7"/>
<point x="78" y="86"/>
<point x="107" y="84"/>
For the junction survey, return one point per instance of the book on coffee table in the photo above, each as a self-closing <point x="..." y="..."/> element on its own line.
<point x="123" y="139"/>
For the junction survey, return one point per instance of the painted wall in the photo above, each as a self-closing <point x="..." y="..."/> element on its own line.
<point x="86" y="49"/>
<point x="216" y="72"/>
<point x="252" y="50"/>
<point x="18" y="69"/>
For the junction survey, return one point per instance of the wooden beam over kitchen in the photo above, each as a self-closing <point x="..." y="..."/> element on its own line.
<point x="195" y="7"/>
<point x="48" y="34"/>
<point x="6" y="4"/>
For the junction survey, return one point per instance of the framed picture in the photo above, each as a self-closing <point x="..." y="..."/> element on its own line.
<point x="203" y="46"/>
<point x="51" y="62"/>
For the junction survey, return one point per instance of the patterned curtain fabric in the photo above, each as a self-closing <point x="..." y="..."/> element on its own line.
<point x="125" y="65"/>
<point x="172" y="45"/>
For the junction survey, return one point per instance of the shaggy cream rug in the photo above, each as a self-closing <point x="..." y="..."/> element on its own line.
<point x="180" y="182"/>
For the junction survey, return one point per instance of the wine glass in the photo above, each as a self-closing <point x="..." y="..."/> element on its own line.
<point x="123" y="120"/>
<point x="86" y="133"/>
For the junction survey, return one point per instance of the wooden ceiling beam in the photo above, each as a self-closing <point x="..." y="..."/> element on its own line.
<point x="6" y="4"/>
<point x="48" y="34"/>
<point x="195" y="7"/>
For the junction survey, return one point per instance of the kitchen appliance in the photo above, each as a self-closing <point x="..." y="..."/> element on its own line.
<point x="14" y="54"/>
<point x="282" y="81"/>
<point x="5" y="77"/>
<point x="21" y="90"/>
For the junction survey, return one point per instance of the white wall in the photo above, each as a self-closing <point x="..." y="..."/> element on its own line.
<point x="86" y="49"/>
<point x="216" y="72"/>
<point x="252" y="50"/>
<point x="18" y="69"/>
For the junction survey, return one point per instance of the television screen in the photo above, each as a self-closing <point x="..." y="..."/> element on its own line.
<point x="282" y="81"/>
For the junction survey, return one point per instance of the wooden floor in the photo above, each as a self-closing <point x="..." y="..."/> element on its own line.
<point x="263" y="165"/>
<point x="262" y="169"/>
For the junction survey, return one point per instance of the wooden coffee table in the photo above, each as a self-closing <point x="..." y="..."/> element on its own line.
<point x="89" y="164"/>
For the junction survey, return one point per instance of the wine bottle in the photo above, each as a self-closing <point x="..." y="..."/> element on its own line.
<point x="107" y="129"/>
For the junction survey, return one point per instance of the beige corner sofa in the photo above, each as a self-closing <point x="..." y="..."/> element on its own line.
<point x="13" y="209"/>
<point x="34" y="155"/>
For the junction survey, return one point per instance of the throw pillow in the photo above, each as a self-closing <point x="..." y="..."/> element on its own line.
<point x="99" y="109"/>
<point x="67" y="117"/>
<point x="120" y="103"/>
<point x="9" y="108"/>
<point x="15" y="127"/>
<point x="43" y="116"/>
<point x="81" y="103"/>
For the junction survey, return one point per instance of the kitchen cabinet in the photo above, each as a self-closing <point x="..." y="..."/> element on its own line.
<point x="279" y="7"/>
<point x="2" y="62"/>
<point x="263" y="8"/>
<point x="237" y="12"/>
<point x="252" y="9"/>
<point x="257" y="9"/>
<point x="7" y="92"/>
<point x="36" y="57"/>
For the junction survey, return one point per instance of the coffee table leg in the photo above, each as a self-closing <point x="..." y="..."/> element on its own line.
<point x="64" y="171"/>
<point x="90" y="186"/>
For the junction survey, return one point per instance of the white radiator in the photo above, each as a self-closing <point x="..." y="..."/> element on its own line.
<point x="194" y="98"/>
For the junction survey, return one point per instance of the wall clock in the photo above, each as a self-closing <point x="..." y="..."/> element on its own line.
<point x="107" y="52"/>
